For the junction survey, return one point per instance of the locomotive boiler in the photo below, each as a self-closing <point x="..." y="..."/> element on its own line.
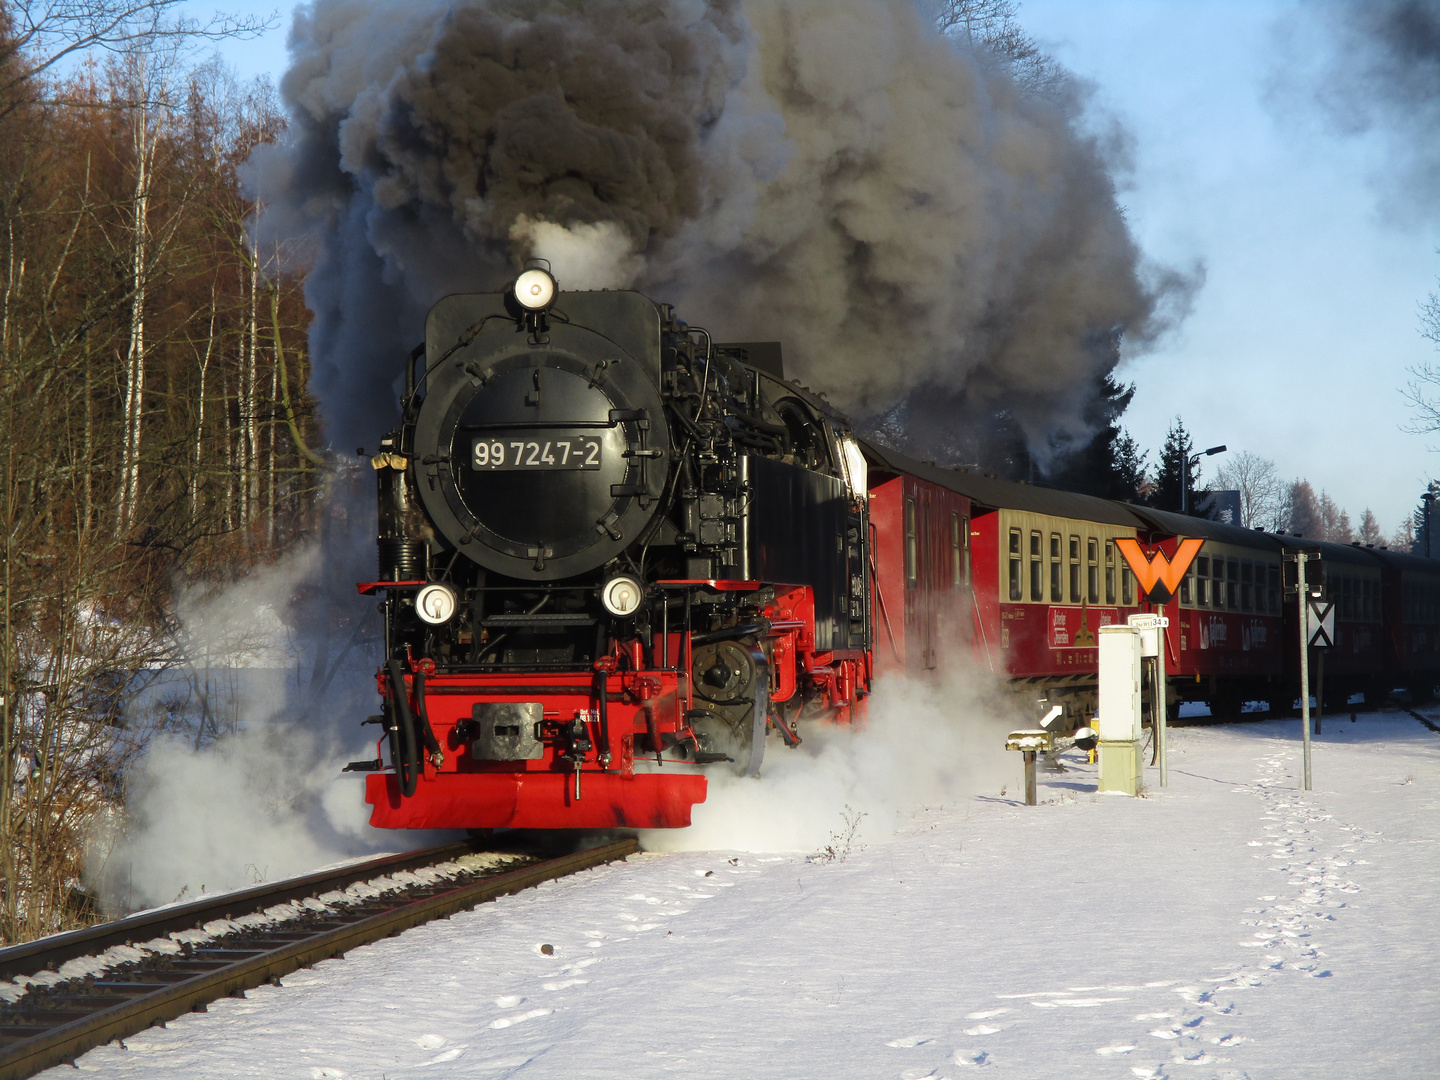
<point x="613" y="554"/>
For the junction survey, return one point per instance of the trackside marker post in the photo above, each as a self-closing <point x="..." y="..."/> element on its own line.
<point x="1304" y="589"/>
<point x="1030" y="743"/>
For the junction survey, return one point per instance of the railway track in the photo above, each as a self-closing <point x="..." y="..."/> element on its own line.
<point x="1424" y="720"/>
<point x="194" y="953"/>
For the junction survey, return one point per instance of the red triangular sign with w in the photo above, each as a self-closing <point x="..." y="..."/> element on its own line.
<point x="1158" y="576"/>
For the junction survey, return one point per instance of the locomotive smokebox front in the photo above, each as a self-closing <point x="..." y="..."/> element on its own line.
<point x="542" y="451"/>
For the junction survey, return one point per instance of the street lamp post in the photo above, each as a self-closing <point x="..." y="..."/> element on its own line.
<point x="1189" y="463"/>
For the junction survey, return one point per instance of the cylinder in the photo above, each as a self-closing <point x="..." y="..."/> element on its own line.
<point x="400" y="540"/>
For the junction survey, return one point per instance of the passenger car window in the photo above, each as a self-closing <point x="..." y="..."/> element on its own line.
<point x="1056" y="596"/>
<point x="1109" y="571"/>
<point x="1015" y="565"/>
<point x="1037" y="569"/>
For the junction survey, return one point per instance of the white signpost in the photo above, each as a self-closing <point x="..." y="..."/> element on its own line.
<point x="1317" y="621"/>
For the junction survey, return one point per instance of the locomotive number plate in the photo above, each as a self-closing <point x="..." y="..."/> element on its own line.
<point x="514" y="455"/>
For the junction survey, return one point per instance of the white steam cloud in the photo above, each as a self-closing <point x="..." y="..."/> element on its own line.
<point x="242" y="780"/>
<point x="926" y="744"/>
<point x="598" y="256"/>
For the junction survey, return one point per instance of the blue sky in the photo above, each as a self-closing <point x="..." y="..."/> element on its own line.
<point x="1302" y="335"/>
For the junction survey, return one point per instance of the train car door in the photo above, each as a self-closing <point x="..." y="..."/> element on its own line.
<point x="918" y="640"/>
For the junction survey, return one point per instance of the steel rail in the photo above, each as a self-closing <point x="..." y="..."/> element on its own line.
<point x="1424" y="720"/>
<point x="48" y="952"/>
<point x="160" y="1001"/>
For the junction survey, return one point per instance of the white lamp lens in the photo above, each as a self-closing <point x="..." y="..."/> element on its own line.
<point x="535" y="289"/>
<point x="621" y="596"/>
<point x="436" y="604"/>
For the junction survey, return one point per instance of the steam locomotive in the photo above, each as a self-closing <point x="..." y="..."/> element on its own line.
<point x="615" y="554"/>
<point x="612" y="552"/>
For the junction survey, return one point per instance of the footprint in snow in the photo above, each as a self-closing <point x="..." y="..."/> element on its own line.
<point x="905" y="1042"/>
<point x="986" y="1014"/>
<point x="1106" y="1051"/>
<point x="1077" y="1003"/>
<point x="511" y="1021"/>
<point x="966" y="1059"/>
<point x="509" y="1001"/>
<point x="985" y="1029"/>
<point x="433" y="1042"/>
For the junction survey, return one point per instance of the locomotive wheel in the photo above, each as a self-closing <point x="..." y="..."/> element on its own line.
<point x="724" y="673"/>
<point x="734" y="677"/>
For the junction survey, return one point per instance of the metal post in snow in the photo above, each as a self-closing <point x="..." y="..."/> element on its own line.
<point x="1030" y="797"/>
<point x="1160" y="718"/>
<point x="1303" y="594"/>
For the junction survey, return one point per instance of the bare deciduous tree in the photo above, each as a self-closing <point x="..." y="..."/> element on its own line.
<point x="991" y="26"/>
<point x="1261" y="489"/>
<point x="123" y="309"/>
<point x="1424" y="381"/>
<point x="36" y="36"/>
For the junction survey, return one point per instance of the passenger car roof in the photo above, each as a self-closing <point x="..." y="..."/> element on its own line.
<point x="1166" y="523"/>
<point x="1005" y="494"/>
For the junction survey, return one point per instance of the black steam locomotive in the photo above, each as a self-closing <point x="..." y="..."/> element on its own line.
<point x="612" y="551"/>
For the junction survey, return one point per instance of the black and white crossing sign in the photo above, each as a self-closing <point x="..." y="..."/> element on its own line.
<point x="1322" y="623"/>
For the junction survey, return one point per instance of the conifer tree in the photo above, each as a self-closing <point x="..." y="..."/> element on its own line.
<point x="1172" y="477"/>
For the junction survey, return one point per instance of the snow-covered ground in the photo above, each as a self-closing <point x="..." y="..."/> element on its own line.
<point x="1229" y="925"/>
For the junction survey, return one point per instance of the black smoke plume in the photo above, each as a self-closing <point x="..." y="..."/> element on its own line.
<point x="1372" y="66"/>
<point x="914" y="223"/>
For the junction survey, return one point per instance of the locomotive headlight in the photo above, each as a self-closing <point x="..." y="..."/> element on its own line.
<point x="622" y="595"/>
<point x="436" y="603"/>
<point x="535" y="290"/>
